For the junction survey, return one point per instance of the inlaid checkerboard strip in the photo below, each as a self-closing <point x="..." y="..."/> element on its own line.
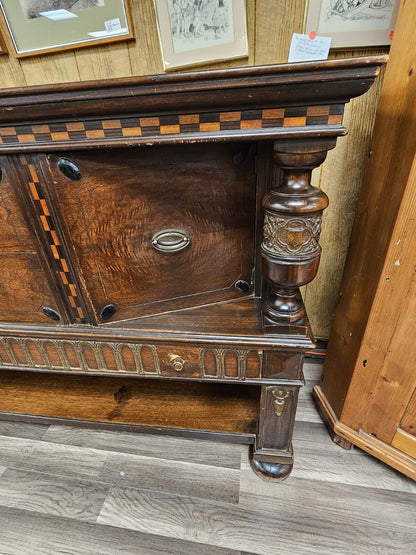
<point x="171" y="125"/>
<point x="54" y="241"/>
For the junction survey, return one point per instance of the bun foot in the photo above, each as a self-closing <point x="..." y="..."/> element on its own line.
<point x="276" y="472"/>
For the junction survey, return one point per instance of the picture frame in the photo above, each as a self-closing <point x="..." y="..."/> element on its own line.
<point x="352" y="23"/>
<point x="193" y="33"/>
<point x="45" y="26"/>
<point x="3" y="49"/>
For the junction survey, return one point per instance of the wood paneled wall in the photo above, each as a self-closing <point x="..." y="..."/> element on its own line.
<point x="270" y="27"/>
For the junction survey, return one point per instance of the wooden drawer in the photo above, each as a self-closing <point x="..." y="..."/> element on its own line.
<point x="145" y="359"/>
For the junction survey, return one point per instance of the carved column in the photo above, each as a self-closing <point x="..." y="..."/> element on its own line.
<point x="290" y="250"/>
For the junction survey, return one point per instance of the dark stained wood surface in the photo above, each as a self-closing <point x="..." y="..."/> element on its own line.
<point x="14" y="236"/>
<point x="96" y="215"/>
<point x="217" y="407"/>
<point x="24" y="288"/>
<point x="242" y="87"/>
<point x="208" y="192"/>
<point x="237" y="318"/>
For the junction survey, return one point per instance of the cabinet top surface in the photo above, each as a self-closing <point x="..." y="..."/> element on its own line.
<point x="245" y="103"/>
<point x="353" y="70"/>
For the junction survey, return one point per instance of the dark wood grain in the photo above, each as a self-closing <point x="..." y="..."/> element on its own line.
<point x="208" y="192"/>
<point x="172" y="404"/>
<point x="24" y="289"/>
<point x="119" y="306"/>
<point x="15" y="235"/>
<point x="232" y="88"/>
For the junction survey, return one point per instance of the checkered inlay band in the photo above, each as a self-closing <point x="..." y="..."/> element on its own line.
<point x="168" y="125"/>
<point x="54" y="241"/>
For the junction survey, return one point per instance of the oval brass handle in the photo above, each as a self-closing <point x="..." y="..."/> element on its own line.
<point x="170" y="240"/>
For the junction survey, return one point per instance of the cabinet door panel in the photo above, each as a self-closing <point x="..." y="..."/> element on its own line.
<point x="24" y="288"/>
<point x="14" y="234"/>
<point x="408" y="422"/>
<point x="120" y="200"/>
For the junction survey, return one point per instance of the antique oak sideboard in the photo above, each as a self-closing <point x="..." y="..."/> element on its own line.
<point x="154" y="233"/>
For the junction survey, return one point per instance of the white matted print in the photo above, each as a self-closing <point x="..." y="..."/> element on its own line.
<point x="353" y="23"/>
<point x="39" y="8"/>
<point x="201" y="31"/>
<point x="42" y="26"/>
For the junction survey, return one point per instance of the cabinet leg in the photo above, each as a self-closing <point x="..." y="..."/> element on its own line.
<point x="272" y="455"/>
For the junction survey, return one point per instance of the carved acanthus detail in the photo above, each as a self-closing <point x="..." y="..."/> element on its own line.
<point x="287" y="235"/>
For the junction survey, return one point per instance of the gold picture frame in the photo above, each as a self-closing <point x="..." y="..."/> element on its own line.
<point x="3" y="49"/>
<point x="352" y="23"/>
<point x="193" y="33"/>
<point x="44" y="26"/>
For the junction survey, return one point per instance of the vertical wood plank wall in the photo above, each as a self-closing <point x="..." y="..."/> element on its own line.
<point x="270" y="27"/>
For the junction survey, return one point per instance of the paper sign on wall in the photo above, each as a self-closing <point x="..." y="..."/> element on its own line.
<point x="305" y="48"/>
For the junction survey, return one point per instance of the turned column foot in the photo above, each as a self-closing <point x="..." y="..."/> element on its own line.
<point x="283" y="305"/>
<point x="273" y="471"/>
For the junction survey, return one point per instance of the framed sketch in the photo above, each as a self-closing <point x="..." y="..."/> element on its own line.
<point x="194" y="32"/>
<point x="43" y="26"/>
<point x="353" y="23"/>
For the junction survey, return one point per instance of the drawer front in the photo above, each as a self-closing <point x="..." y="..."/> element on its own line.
<point x="144" y="359"/>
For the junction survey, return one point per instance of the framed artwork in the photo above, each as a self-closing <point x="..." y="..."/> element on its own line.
<point x="353" y="23"/>
<point x="43" y="26"/>
<point x="194" y="32"/>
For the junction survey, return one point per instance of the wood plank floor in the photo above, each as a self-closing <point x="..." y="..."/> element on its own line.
<point x="82" y="491"/>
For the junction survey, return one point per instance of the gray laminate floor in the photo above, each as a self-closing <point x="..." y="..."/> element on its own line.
<point x="82" y="491"/>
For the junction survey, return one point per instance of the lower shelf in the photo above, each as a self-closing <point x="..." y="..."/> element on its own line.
<point x="199" y="406"/>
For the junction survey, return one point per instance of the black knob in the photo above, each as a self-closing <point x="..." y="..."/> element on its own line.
<point x="51" y="313"/>
<point x="242" y="286"/>
<point x="108" y="311"/>
<point x="69" y="169"/>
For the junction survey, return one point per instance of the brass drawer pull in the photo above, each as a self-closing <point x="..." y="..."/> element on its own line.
<point x="170" y="240"/>
<point x="177" y="363"/>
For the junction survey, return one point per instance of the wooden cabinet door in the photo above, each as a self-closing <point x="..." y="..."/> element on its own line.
<point x="24" y="288"/>
<point x="115" y="205"/>
<point x="405" y="437"/>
